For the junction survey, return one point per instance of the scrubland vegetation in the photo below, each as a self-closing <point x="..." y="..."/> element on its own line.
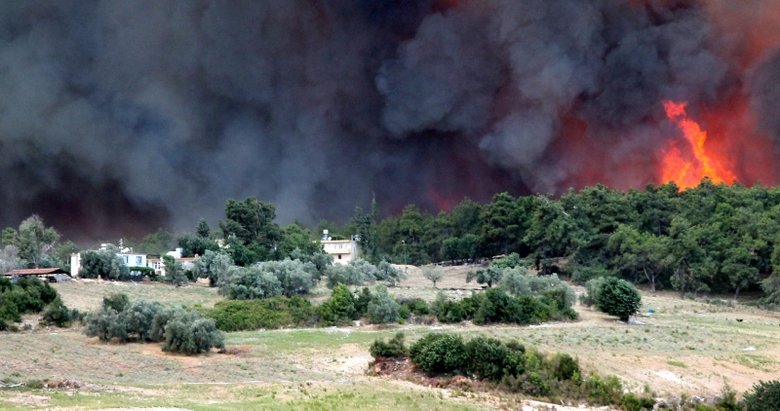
<point x="490" y="334"/>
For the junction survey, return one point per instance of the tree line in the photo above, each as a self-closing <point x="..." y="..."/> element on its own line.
<point x="712" y="238"/>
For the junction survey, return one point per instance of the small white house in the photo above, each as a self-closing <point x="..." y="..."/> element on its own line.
<point x="342" y="251"/>
<point x="127" y="255"/>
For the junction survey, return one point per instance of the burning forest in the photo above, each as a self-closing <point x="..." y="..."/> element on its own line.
<point x="118" y="116"/>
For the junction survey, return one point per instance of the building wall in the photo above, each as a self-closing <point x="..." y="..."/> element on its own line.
<point x="343" y="251"/>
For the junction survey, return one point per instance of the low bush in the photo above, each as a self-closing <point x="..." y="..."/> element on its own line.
<point x="270" y="313"/>
<point x="339" y="308"/>
<point x="511" y="366"/>
<point x="496" y="306"/>
<point x="56" y="313"/>
<point x="487" y="358"/>
<point x="188" y="333"/>
<point x="394" y="348"/>
<point x="27" y="296"/>
<point x="439" y="353"/>
<point x="180" y="331"/>
<point x="382" y="308"/>
<point x="764" y="396"/>
<point x="592" y="289"/>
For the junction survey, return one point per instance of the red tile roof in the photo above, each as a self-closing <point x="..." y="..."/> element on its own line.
<point x="36" y="271"/>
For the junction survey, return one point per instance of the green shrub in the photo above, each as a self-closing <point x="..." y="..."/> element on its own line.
<point x="592" y="289"/>
<point x="106" y="324"/>
<point x="270" y="313"/>
<point x="727" y="400"/>
<point x="55" y="313"/>
<point x="416" y="306"/>
<point x="394" y="348"/>
<point x="440" y="353"/>
<point x="339" y="308"/>
<point x="631" y="402"/>
<point x="361" y="302"/>
<point x="116" y="302"/>
<point x="564" y="367"/>
<point x="382" y="308"/>
<point x="764" y="396"/>
<point x="619" y="298"/>
<point x="247" y="283"/>
<point x="180" y="330"/>
<point x="487" y="358"/>
<point x="30" y="295"/>
<point x="138" y="318"/>
<point x="601" y="390"/>
<point x="187" y="333"/>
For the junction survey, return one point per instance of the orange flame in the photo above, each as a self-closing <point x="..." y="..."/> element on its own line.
<point x="688" y="170"/>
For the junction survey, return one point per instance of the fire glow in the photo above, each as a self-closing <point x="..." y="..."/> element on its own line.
<point x="688" y="165"/>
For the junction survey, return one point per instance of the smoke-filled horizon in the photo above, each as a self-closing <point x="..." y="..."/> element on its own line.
<point x="118" y="117"/>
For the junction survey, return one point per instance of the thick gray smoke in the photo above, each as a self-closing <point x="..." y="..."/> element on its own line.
<point x="121" y="116"/>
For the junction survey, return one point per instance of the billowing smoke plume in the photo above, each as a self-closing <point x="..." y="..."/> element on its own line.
<point x="121" y="116"/>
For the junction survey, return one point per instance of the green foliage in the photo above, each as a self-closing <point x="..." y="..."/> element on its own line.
<point x="512" y="260"/>
<point x="56" y="313"/>
<point x="179" y="330"/>
<point x="268" y="279"/>
<point x="322" y="262"/>
<point x="619" y="298"/>
<point x="250" y="230"/>
<point x="187" y="333"/>
<point x="365" y="224"/>
<point x="296" y="237"/>
<point x="27" y="295"/>
<point x="393" y="348"/>
<point x="414" y="306"/>
<point x="382" y="308"/>
<point x="356" y="272"/>
<point x="268" y="313"/>
<point x="433" y="274"/>
<point x="246" y="283"/>
<point x="487" y="358"/>
<point x="489" y="276"/>
<point x="439" y="353"/>
<point x="36" y="242"/>
<point x="592" y="290"/>
<point x="157" y="243"/>
<point x="339" y="308"/>
<point x="516" y="281"/>
<point x="174" y="272"/>
<point x="388" y="273"/>
<point x="212" y="265"/>
<point x="764" y="396"/>
<point x="116" y="302"/>
<point x="294" y="276"/>
<point x="105" y="264"/>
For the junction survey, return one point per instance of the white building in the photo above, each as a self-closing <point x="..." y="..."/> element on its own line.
<point x="342" y="251"/>
<point x="127" y="255"/>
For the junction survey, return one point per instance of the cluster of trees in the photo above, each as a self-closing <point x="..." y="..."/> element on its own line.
<point x="710" y="238"/>
<point x="179" y="330"/>
<point x="33" y="245"/>
<point x="30" y="296"/>
<point x="291" y="276"/>
<point x="511" y="365"/>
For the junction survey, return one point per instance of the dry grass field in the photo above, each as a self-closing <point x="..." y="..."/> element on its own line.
<point x="684" y="347"/>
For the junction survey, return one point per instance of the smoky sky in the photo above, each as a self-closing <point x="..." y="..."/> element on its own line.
<point x="117" y="117"/>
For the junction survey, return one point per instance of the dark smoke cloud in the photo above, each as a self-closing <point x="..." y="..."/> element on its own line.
<point x="120" y="116"/>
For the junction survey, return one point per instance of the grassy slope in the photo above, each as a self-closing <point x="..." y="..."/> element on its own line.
<point x="685" y="346"/>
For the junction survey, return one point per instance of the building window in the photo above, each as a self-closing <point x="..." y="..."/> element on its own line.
<point x="339" y="256"/>
<point x="126" y="260"/>
<point x="138" y="260"/>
